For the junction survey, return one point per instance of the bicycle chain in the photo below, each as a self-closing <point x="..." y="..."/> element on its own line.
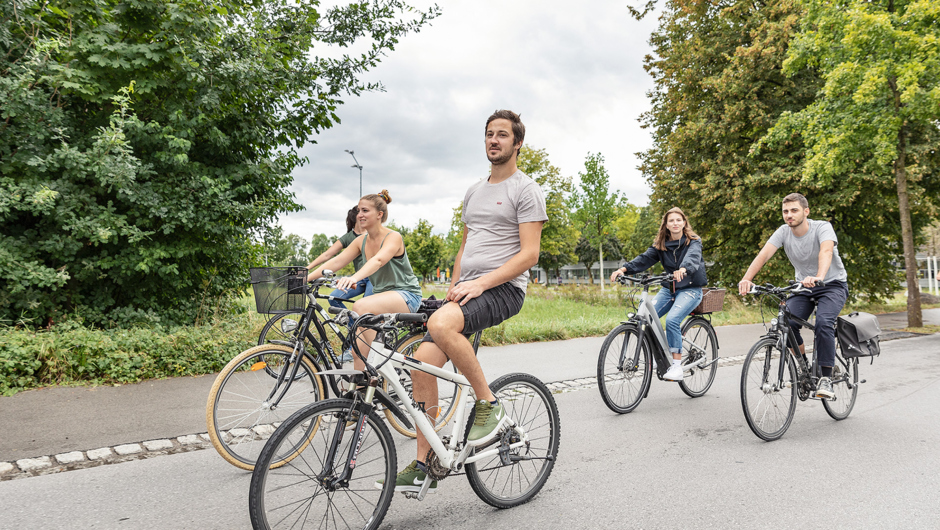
<point x="435" y="470"/>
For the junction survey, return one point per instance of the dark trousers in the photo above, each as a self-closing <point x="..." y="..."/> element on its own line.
<point x="828" y="301"/>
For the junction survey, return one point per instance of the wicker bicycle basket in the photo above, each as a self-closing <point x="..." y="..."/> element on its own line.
<point x="712" y="301"/>
<point x="279" y="289"/>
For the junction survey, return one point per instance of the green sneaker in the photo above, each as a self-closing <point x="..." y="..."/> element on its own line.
<point x="487" y="420"/>
<point x="410" y="479"/>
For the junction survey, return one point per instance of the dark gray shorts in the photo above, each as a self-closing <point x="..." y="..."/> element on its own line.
<point x="489" y="309"/>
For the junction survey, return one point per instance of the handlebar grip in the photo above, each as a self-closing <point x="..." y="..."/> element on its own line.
<point x="412" y="317"/>
<point x="820" y="283"/>
<point x="335" y="310"/>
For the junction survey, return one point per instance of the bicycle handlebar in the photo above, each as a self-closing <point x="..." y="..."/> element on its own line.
<point x="792" y="288"/>
<point x="645" y="279"/>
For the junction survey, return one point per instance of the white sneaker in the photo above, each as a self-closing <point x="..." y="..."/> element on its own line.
<point x="674" y="373"/>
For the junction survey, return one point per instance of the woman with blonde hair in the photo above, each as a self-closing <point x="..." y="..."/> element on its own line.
<point x="679" y="249"/>
<point x="395" y="287"/>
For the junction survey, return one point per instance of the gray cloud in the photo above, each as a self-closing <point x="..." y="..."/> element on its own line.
<point x="575" y="74"/>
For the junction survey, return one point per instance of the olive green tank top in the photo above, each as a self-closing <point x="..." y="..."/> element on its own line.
<point x="396" y="275"/>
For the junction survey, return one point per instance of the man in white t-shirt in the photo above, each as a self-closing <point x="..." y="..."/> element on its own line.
<point x="812" y="248"/>
<point x="503" y="217"/>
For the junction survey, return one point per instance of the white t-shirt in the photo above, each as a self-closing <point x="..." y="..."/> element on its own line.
<point x="493" y="213"/>
<point x="803" y="252"/>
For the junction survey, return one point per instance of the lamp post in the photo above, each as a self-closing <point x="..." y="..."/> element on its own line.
<point x="356" y="165"/>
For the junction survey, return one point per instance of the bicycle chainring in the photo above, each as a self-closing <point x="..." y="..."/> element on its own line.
<point x="436" y="471"/>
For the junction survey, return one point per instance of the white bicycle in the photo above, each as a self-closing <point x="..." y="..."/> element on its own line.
<point x="335" y="451"/>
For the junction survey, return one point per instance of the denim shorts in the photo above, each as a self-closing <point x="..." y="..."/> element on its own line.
<point x="413" y="301"/>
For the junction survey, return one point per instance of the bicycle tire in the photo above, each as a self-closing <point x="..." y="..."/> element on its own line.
<point x="237" y="418"/>
<point x="450" y="394"/>
<point x="769" y="405"/>
<point x="531" y="405"/>
<point x="699" y="344"/>
<point x="293" y="494"/>
<point x="623" y="387"/>
<point x="844" y="372"/>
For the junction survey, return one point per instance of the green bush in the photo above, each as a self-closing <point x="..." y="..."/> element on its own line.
<point x="70" y="353"/>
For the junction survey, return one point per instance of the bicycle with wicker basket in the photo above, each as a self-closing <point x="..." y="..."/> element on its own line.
<point x="625" y="364"/>
<point x="264" y="385"/>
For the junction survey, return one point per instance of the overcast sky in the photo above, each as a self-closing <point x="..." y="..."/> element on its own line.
<point x="574" y="72"/>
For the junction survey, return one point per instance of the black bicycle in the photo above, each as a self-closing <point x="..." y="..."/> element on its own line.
<point x="624" y="366"/>
<point x="775" y="375"/>
<point x="264" y="385"/>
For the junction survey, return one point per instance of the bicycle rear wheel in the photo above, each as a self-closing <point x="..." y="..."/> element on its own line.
<point x="530" y="404"/>
<point x="238" y="416"/>
<point x="769" y="402"/>
<point x="623" y="373"/>
<point x="699" y="346"/>
<point x="304" y="493"/>
<point x="449" y="395"/>
<point x="844" y="376"/>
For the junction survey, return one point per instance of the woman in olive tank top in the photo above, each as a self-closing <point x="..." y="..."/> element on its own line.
<point x="395" y="287"/>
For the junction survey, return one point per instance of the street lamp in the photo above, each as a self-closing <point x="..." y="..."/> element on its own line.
<point x="356" y="165"/>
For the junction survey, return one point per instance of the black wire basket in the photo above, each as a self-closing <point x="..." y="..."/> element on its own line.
<point x="279" y="289"/>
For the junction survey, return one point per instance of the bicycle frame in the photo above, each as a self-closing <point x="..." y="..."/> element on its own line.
<point x="786" y="342"/>
<point x="450" y="453"/>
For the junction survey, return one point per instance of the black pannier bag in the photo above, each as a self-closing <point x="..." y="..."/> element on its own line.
<point x="858" y="335"/>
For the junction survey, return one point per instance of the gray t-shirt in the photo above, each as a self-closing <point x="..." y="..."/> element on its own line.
<point x="803" y="252"/>
<point x="493" y="213"/>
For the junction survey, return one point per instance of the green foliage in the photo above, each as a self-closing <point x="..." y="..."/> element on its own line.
<point x="425" y="250"/>
<point x="279" y="250"/>
<point x="873" y="127"/>
<point x="644" y="232"/>
<point x="454" y="237"/>
<point x="72" y="353"/>
<point x="144" y="145"/>
<point x="559" y="237"/>
<point x="319" y="244"/>
<point x="595" y="208"/>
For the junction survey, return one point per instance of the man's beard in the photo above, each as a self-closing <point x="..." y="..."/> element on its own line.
<point x="500" y="159"/>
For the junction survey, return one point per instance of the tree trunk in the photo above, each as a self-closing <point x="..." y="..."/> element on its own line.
<point x="914" y="317"/>
<point x="590" y="276"/>
<point x="600" y="268"/>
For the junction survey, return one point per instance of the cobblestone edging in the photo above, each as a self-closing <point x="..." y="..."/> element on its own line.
<point x="50" y="464"/>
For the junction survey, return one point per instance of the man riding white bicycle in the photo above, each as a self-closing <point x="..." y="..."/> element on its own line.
<point x="503" y="217"/>
<point x="812" y="248"/>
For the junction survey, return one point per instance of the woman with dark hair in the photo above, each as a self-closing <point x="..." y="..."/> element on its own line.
<point x="363" y="286"/>
<point x="396" y="288"/>
<point x="679" y="249"/>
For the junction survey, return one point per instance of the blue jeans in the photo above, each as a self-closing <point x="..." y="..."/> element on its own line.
<point x="679" y="305"/>
<point x="363" y="286"/>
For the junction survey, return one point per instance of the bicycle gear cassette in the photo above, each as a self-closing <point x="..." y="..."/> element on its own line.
<point x="436" y="471"/>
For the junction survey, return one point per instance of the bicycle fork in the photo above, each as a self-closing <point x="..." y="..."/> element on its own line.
<point x="327" y="477"/>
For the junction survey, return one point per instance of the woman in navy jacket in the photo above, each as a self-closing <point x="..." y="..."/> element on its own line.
<point x="679" y="249"/>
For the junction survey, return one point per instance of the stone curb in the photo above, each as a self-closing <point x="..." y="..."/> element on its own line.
<point x="50" y="464"/>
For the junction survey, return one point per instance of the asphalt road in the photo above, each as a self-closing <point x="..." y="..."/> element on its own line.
<point x="675" y="462"/>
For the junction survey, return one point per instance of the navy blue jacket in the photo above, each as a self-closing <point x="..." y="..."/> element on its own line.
<point x="676" y="256"/>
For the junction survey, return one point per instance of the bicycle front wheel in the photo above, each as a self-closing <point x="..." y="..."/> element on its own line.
<point x="530" y="404"/>
<point x="239" y="416"/>
<point x="306" y="491"/>
<point x="700" y="350"/>
<point x="769" y="401"/>
<point x="623" y="369"/>
<point x="845" y="386"/>
<point x="449" y="394"/>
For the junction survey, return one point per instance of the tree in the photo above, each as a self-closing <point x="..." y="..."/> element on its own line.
<point x="318" y="245"/>
<point x="144" y="145"/>
<point x="588" y="253"/>
<point x="595" y="207"/>
<point x="559" y="237"/>
<point x="644" y="232"/>
<point x="425" y="250"/>
<point x="875" y="120"/>
<point x="720" y="87"/>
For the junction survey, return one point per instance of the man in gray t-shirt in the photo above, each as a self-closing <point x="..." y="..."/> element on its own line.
<point x="812" y="248"/>
<point x="502" y="218"/>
